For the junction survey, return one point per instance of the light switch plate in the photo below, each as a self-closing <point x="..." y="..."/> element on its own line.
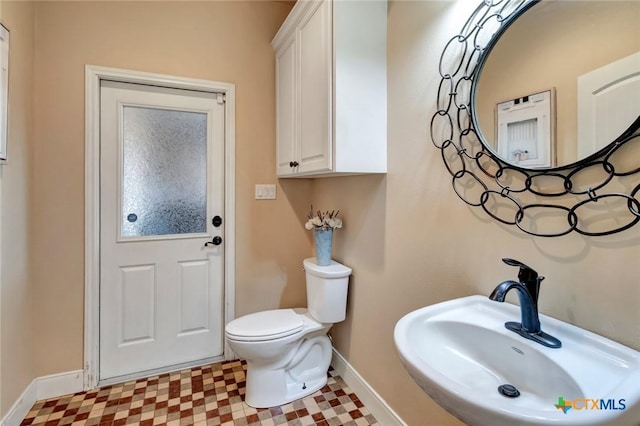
<point x="265" y="191"/>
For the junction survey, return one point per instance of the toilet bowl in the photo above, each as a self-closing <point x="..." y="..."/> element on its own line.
<point x="287" y="350"/>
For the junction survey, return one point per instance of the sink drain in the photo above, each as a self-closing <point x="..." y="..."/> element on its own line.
<point x="509" y="391"/>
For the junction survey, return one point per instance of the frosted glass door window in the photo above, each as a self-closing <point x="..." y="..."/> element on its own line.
<point x="164" y="172"/>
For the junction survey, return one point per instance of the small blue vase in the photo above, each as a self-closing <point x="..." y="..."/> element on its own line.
<point x="323" y="240"/>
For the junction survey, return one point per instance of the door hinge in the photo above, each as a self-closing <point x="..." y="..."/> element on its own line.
<point x="221" y="98"/>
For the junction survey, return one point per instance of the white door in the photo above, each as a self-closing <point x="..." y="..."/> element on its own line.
<point x="608" y="102"/>
<point x="161" y="185"/>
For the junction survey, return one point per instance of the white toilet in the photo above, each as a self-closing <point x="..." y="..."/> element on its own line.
<point x="287" y="350"/>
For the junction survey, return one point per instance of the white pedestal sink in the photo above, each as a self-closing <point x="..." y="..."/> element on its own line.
<point x="459" y="352"/>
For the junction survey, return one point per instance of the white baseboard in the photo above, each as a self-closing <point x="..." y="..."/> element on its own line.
<point x="60" y="384"/>
<point x="21" y="407"/>
<point x="383" y="413"/>
<point x="44" y="387"/>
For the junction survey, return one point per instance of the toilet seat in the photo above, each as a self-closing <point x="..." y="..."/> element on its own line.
<point x="266" y="325"/>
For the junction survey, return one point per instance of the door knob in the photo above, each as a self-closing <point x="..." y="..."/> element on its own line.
<point x="216" y="241"/>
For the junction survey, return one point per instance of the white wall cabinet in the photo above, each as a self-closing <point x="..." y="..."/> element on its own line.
<point x="331" y="89"/>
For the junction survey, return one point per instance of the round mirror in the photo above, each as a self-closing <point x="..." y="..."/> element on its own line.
<point x="516" y="153"/>
<point x="561" y="83"/>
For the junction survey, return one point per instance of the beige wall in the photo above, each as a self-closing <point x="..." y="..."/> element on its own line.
<point x="570" y="45"/>
<point x="224" y="41"/>
<point x="16" y="205"/>
<point x="411" y="242"/>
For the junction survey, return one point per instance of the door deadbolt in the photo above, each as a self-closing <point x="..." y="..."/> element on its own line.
<point x="216" y="221"/>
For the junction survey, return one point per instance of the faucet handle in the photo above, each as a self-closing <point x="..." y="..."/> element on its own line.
<point x="528" y="276"/>
<point x="513" y="262"/>
<point x="526" y="273"/>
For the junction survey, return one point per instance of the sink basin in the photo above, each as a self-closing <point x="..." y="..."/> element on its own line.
<point x="460" y="353"/>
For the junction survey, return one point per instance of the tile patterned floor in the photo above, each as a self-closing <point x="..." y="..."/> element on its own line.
<point x="209" y="395"/>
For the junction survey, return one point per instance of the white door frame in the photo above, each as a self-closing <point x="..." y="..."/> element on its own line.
<point x="93" y="75"/>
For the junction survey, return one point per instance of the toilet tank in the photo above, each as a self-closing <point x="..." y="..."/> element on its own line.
<point x="327" y="290"/>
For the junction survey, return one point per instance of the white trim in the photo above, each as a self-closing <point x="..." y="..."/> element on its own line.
<point x="230" y="213"/>
<point x="40" y="388"/>
<point x="56" y="385"/>
<point x="93" y="75"/>
<point x="383" y="413"/>
<point x="21" y="407"/>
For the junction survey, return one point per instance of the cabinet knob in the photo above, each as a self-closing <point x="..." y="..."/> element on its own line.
<point x="293" y="164"/>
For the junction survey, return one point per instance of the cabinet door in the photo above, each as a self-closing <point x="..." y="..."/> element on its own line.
<point x="285" y="108"/>
<point x="314" y="38"/>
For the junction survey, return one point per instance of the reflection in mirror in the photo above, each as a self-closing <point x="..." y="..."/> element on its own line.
<point x="586" y="56"/>
<point x="595" y="194"/>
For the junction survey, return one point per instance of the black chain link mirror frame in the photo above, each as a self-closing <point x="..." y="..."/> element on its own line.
<point x="477" y="170"/>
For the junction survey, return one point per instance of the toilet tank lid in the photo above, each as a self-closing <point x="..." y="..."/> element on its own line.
<point x="335" y="270"/>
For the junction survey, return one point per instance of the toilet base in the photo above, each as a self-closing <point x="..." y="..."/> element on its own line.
<point x="303" y="375"/>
